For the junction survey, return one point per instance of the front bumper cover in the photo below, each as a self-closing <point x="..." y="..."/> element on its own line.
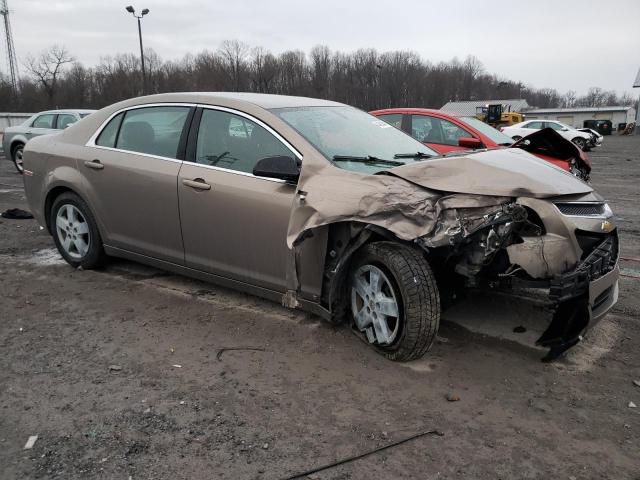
<point x="579" y="298"/>
<point x="582" y="297"/>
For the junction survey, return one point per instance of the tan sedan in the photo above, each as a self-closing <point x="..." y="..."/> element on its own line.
<point x="325" y="208"/>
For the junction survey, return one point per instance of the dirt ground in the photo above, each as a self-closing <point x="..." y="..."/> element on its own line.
<point x="120" y="374"/>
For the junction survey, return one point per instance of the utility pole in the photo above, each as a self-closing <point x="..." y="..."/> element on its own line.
<point x="11" y="51"/>
<point x="132" y="11"/>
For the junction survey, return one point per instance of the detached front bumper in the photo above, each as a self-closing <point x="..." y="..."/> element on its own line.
<point x="582" y="297"/>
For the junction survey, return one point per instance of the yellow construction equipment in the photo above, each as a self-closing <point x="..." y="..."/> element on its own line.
<point x="498" y="115"/>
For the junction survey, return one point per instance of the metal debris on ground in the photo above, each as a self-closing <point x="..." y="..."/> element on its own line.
<point x="636" y="383"/>
<point x="364" y="454"/>
<point x="30" y="442"/>
<point x="176" y="366"/>
<point x="115" y="368"/>
<point x="632" y="405"/>
<point x="229" y="349"/>
<point x="452" y="397"/>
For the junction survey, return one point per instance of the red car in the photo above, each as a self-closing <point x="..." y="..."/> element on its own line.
<point x="446" y="133"/>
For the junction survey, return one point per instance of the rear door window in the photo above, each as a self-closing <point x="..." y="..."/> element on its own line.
<point x="553" y="125"/>
<point x="534" y="125"/>
<point x="152" y="130"/>
<point x="65" y="119"/>
<point x="44" y="121"/>
<point x="234" y="142"/>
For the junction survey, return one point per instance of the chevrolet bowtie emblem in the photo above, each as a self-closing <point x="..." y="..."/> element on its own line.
<point x="606" y="226"/>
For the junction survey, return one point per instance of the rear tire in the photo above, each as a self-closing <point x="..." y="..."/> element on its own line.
<point x="75" y="232"/>
<point x="394" y="300"/>
<point x="16" y="156"/>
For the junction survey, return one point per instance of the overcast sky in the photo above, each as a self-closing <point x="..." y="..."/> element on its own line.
<point x="567" y="45"/>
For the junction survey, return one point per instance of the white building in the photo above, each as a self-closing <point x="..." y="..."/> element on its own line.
<point x="575" y="117"/>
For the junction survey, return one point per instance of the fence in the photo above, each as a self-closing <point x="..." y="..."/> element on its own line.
<point x="10" y="119"/>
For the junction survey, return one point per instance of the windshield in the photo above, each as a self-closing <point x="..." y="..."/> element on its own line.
<point x="495" y="135"/>
<point x="353" y="139"/>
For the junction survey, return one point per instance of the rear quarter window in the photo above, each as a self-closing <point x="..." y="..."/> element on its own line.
<point x="107" y="137"/>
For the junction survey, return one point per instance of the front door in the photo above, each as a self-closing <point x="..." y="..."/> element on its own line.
<point x="437" y="133"/>
<point x="42" y="125"/>
<point x="131" y="175"/>
<point x="234" y="224"/>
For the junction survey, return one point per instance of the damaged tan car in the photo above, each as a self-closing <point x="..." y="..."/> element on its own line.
<point x="325" y="208"/>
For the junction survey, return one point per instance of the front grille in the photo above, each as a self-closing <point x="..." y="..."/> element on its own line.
<point x="581" y="209"/>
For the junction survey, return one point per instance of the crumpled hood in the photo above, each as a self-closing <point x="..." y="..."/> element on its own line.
<point x="504" y="172"/>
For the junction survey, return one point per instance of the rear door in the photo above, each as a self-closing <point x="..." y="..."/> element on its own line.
<point x="131" y="173"/>
<point x="234" y="224"/>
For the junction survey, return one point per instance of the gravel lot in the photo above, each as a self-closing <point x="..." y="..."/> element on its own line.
<point x="120" y="374"/>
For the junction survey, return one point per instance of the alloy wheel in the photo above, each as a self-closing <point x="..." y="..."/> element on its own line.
<point x="374" y="305"/>
<point x="73" y="231"/>
<point x="17" y="157"/>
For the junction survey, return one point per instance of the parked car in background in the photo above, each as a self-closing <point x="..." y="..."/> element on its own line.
<point x="322" y="207"/>
<point x="443" y="132"/>
<point x="520" y="130"/>
<point x="43" y="123"/>
<point x="447" y="133"/>
<point x="605" y="127"/>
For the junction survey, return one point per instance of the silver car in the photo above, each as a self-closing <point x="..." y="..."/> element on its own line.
<point x="43" y="123"/>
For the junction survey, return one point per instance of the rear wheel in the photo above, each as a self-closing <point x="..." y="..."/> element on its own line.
<point x="394" y="300"/>
<point x="580" y="143"/>
<point x="16" y="155"/>
<point x="75" y="232"/>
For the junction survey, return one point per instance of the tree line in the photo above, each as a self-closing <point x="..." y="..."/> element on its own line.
<point x="366" y="78"/>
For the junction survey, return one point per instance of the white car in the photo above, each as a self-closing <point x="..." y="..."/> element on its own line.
<point x="522" y="129"/>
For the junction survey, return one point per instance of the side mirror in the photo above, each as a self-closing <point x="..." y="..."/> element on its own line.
<point x="282" y="167"/>
<point x="470" y="142"/>
<point x="564" y="129"/>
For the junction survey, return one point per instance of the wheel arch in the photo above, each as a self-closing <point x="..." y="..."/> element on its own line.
<point x="13" y="143"/>
<point x="345" y="240"/>
<point x="53" y="193"/>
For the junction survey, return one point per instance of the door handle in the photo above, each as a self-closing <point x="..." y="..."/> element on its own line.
<point x="94" y="164"/>
<point x="197" y="183"/>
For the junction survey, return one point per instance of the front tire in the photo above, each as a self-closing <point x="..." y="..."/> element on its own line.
<point x="394" y="300"/>
<point x="75" y="232"/>
<point x="16" y="155"/>
<point x="580" y="143"/>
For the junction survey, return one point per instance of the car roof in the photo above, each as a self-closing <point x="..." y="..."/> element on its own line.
<point x="425" y="111"/>
<point x="68" y="110"/>
<point x="262" y="100"/>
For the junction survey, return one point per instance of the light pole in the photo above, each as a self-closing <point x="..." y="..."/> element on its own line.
<point x="132" y="11"/>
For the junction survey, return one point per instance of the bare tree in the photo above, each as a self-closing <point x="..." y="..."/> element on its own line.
<point x="365" y="78"/>
<point x="234" y="55"/>
<point x="46" y="68"/>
